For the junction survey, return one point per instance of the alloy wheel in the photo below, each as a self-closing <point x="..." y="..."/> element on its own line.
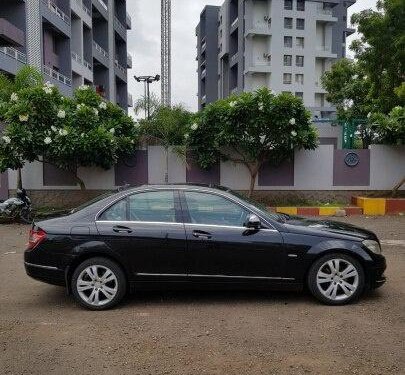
<point x="97" y="285"/>
<point x="337" y="279"/>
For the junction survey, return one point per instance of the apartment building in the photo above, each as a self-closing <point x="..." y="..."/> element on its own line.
<point x="73" y="42"/>
<point x="285" y="45"/>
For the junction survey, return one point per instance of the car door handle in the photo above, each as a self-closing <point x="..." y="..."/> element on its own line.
<point x="202" y="235"/>
<point x="121" y="229"/>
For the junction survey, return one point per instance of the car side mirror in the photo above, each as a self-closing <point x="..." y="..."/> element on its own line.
<point x="253" y="222"/>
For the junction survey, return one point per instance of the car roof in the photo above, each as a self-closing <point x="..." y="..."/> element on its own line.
<point x="182" y="186"/>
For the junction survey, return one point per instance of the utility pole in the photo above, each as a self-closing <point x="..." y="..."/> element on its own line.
<point x="166" y="52"/>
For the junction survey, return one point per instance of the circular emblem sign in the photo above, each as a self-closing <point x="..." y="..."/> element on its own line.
<point x="352" y="159"/>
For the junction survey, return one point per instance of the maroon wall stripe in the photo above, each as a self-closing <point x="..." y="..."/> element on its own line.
<point x="132" y="170"/>
<point x="283" y="175"/>
<point x="358" y="175"/>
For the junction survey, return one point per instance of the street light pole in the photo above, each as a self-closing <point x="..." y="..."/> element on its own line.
<point x="147" y="80"/>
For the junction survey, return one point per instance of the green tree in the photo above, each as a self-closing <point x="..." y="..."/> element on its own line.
<point x="167" y="127"/>
<point x="252" y="129"/>
<point x="348" y="89"/>
<point x="380" y="51"/>
<point x="143" y="104"/>
<point x="82" y="131"/>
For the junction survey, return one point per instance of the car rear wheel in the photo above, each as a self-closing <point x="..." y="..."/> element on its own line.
<point x="336" y="279"/>
<point x="98" y="284"/>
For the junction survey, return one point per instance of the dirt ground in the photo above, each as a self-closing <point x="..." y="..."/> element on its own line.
<point x="42" y="331"/>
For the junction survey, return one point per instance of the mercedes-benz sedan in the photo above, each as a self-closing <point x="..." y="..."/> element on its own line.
<point x="198" y="236"/>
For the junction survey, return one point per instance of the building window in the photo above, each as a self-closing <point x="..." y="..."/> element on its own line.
<point x="288" y="41"/>
<point x="287" y="78"/>
<point x="288" y="4"/>
<point x="300" y="24"/>
<point x="299" y="41"/>
<point x="287" y="60"/>
<point x="299" y="61"/>
<point x="299" y="95"/>
<point x="288" y="22"/>
<point x="301" y="5"/>
<point x="299" y="78"/>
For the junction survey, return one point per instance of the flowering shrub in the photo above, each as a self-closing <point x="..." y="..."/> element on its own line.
<point x="82" y="131"/>
<point x="251" y="129"/>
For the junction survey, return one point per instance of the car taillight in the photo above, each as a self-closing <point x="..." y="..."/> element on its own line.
<point x="37" y="235"/>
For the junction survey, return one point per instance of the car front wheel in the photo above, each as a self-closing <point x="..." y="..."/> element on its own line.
<point x="336" y="279"/>
<point x="98" y="284"/>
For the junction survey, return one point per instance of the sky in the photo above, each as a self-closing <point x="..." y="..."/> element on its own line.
<point x="144" y="45"/>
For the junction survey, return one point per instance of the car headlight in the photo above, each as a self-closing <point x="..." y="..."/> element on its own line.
<point x="373" y="246"/>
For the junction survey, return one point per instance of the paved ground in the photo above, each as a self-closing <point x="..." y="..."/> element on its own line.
<point x="42" y="331"/>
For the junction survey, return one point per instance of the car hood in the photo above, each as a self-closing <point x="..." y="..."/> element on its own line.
<point x="327" y="227"/>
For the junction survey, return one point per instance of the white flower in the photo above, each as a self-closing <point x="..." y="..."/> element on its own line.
<point x="273" y="92"/>
<point x="54" y="129"/>
<point x="14" y="97"/>
<point x="262" y="139"/>
<point x="83" y="87"/>
<point x="95" y="111"/>
<point x="232" y="104"/>
<point x="137" y="125"/>
<point x="355" y="76"/>
<point x="369" y="115"/>
<point x="61" y="113"/>
<point x="63" y="132"/>
<point x="132" y="141"/>
<point x="82" y="135"/>
<point x="23" y="118"/>
<point x="112" y="131"/>
<point x="6" y="139"/>
<point x="261" y="106"/>
<point x="49" y="84"/>
<point x="194" y="127"/>
<point x="47" y="140"/>
<point x="47" y="89"/>
<point x="294" y="133"/>
<point x="103" y="105"/>
<point x="186" y="136"/>
<point x="292" y="121"/>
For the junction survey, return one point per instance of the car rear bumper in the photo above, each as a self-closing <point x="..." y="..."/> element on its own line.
<point x="47" y="274"/>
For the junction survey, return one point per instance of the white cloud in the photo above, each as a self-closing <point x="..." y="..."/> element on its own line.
<point x="144" y="45"/>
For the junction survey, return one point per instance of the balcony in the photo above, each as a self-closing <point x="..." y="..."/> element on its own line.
<point x="103" y="4"/>
<point x="325" y="15"/>
<point x="14" y="54"/>
<point x="100" y="54"/>
<point x="81" y="61"/>
<point x="120" y="71"/>
<point x="10" y="35"/>
<point x="121" y="29"/>
<point x="57" y="76"/>
<point x="79" y="8"/>
<point x="260" y="64"/>
<point x="203" y="73"/>
<point x="234" y="58"/>
<point x="100" y="49"/>
<point x="325" y="52"/>
<point x="129" y="21"/>
<point x="101" y="7"/>
<point x="56" y="10"/>
<point x="258" y="28"/>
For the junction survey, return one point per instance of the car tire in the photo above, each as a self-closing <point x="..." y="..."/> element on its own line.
<point x="98" y="284"/>
<point x="336" y="279"/>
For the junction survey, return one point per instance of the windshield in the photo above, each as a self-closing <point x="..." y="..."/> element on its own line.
<point x="89" y="203"/>
<point x="261" y="207"/>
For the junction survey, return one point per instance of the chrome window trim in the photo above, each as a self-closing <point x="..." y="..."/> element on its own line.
<point x="185" y="189"/>
<point x="41" y="266"/>
<point x="225" y="226"/>
<point x="217" y="276"/>
<point x="139" y="222"/>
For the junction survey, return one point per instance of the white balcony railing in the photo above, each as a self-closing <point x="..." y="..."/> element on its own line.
<point x="85" y="9"/>
<point x="14" y="54"/>
<point x="235" y="22"/>
<point x="118" y="24"/>
<point x="100" y="49"/>
<point x="57" y="76"/>
<point x="81" y="61"/>
<point x="103" y="4"/>
<point x="55" y="9"/>
<point x="120" y="67"/>
<point x="234" y="57"/>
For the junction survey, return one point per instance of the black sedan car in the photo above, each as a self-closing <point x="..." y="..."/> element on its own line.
<point x="198" y="236"/>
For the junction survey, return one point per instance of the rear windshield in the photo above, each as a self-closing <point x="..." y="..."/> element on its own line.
<point x="89" y="203"/>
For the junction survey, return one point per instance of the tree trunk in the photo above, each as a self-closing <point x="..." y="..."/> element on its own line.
<point x="19" y="179"/>
<point x="253" y="175"/>
<point x="79" y="181"/>
<point x="167" y="165"/>
<point x="397" y="187"/>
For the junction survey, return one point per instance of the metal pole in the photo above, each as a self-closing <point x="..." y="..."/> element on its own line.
<point x="148" y="96"/>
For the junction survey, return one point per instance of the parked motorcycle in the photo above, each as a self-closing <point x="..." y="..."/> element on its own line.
<point x="17" y="209"/>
